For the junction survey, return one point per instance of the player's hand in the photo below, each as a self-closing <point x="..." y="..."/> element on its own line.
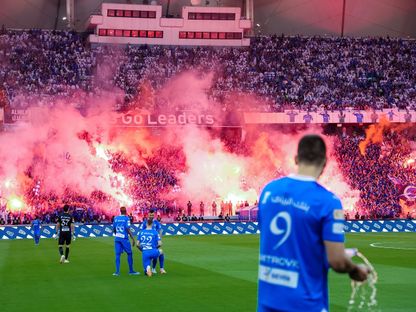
<point x="54" y="236"/>
<point x="74" y="238"/>
<point x="360" y="273"/>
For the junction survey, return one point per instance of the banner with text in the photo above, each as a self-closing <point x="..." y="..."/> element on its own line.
<point x="163" y="120"/>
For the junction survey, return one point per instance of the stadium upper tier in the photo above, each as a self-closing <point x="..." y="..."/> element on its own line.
<point x="39" y="66"/>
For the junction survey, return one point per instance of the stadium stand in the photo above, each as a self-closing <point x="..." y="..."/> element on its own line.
<point x="39" y="66"/>
<point x="288" y="72"/>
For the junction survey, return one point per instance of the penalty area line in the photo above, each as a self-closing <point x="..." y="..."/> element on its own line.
<point x="378" y="245"/>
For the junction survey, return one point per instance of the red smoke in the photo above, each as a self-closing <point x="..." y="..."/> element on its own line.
<point x="70" y="152"/>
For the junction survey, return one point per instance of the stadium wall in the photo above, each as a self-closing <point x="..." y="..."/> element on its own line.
<point x="214" y="228"/>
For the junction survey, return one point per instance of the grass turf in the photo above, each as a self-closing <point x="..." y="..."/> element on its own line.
<point x="205" y="273"/>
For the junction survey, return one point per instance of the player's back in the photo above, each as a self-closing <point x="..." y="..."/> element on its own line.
<point x="296" y="216"/>
<point x="148" y="239"/>
<point x="121" y="224"/>
<point x="36" y="225"/>
<point x="155" y="225"/>
<point x="65" y="220"/>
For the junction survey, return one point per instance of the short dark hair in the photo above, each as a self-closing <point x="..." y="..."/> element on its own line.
<point x="312" y="150"/>
<point x="66" y="208"/>
<point x="151" y="211"/>
<point x="123" y="210"/>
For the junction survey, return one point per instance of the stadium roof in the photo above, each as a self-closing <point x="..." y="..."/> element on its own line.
<point x="306" y="17"/>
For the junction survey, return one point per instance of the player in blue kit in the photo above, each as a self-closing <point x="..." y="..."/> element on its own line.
<point x="302" y="235"/>
<point x="121" y="228"/>
<point x="36" y="225"/>
<point x="149" y="243"/>
<point x="158" y="228"/>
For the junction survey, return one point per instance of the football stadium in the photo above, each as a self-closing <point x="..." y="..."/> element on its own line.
<point x="227" y="155"/>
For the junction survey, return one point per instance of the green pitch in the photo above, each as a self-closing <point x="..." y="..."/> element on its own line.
<point x="205" y="273"/>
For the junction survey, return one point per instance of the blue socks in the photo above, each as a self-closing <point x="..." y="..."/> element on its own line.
<point x="162" y="261"/>
<point x="117" y="263"/>
<point x="130" y="261"/>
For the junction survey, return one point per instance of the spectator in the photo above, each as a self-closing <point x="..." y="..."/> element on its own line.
<point x="189" y="205"/>
<point x="214" y="208"/>
<point x="201" y="208"/>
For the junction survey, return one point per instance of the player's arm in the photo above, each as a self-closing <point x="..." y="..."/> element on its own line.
<point x="159" y="229"/>
<point x="73" y="229"/>
<point x="138" y="245"/>
<point x="341" y="263"/>
<point x="159" y="241"/>
<point x="57" y="227"/>
<point x="333" y="236"/>
<point x="133" y="241"/>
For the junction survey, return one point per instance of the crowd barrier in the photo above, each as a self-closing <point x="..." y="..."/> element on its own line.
<point x="208" y="228"/>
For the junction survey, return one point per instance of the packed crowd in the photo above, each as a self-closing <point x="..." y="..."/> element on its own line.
<point x="42" y="67"/>
<point x="286" y="72"/>
<point x="380" y="174"/>
<point x="148" y="185"/>
<point x="46" y="67"/>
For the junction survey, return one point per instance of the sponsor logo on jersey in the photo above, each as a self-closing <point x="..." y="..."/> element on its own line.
<point x="338" y="228"/>
<point x="278" y="276"/>
<point x="338" y="214"/>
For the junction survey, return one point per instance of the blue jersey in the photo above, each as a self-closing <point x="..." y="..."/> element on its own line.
<point x="359" y="117"/>
<point x="155" y="226"/>
<point x="36" y="225"/>
<point x="325" y="117"/>
<point x="149" y="239"/>
<point x="391" y="114"/>
<point x="296" y="216"/>
<point x="292" y="116"/>
<point x="307" y="118"/>
<point x="121" y="225"/>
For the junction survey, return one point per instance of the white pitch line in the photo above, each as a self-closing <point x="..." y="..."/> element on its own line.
<point x="377" y="245"/>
